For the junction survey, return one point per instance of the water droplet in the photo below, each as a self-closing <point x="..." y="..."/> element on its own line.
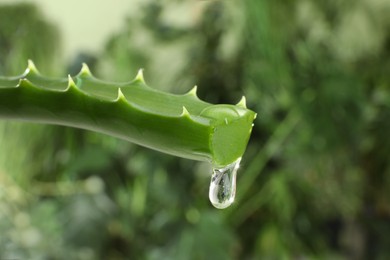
<point x="223" y="185"/>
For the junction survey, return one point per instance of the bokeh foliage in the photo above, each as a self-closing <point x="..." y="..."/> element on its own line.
<point x="314" y="183"/>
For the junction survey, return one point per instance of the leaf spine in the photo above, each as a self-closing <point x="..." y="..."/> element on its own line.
<point x="71" y="84"/>
<point x="140" y="76"/>
<point x="185" y="113"/>
<point x="193" y="91"/>
<point x="25" y="83"/>
<point x="121" y="96"/>
<point x="31" y="69"/>
<point x="21" y="83"/>
<point x="84" y="72"/>
<point x="242" y="102"/>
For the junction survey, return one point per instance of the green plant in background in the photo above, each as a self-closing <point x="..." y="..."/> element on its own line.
<point x="314" y="181"/>
<point x="14" y="52"/>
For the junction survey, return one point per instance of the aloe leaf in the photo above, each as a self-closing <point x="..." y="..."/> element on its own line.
<point x="181" y="125"/>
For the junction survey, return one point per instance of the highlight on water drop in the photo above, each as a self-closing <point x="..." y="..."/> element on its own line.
<point x="223" y="185"/>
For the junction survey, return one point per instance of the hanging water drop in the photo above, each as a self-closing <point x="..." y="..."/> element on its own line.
<point x="223" y="185"/>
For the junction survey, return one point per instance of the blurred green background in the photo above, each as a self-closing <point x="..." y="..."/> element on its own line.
<point x="314" y="182"/>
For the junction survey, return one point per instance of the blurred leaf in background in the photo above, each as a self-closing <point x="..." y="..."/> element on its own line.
<point x="314" y="182"/>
